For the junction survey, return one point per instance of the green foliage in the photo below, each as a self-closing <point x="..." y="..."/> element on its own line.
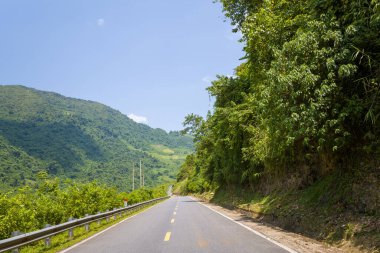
<point x="197" y="184"/>
<point x="187" y="168"/>
<point x="305" y="101"/>
<point x="144" y="194"/>
<point x="52" y="202"/>
<point x="72" y="138"/>
<point x="16" y="166"/>
<point x="192" y="125"/>
<point x="160" y="191"/>
<point x="139" y="195"/>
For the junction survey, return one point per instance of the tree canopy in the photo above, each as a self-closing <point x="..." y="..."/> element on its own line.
<point x="304" y="101"/>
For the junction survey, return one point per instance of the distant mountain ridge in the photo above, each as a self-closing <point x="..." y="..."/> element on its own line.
<point x="85" y="140"/>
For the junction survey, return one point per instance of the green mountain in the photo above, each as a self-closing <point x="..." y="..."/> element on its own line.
<point x="82" y="140"/>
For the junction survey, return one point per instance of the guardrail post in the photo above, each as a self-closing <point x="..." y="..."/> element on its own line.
<point x="107" y="218"/>
<point x="87" y="225"/>
<point x="47" y="239"/>
<point x="71" y="230"/>
<point x="98" y="222"/>
<point x="15" y="233"/>
<point x="114" y="215"/>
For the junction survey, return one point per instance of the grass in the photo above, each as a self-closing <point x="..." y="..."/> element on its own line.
<point x="162" y="149"/>
<point x="167" y="154"/>
<point x="62" y="241"/>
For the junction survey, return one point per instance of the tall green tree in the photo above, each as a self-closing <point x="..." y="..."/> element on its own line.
<point x="306" y="99"/>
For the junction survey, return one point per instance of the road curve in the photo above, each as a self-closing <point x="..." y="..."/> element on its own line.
<point x="178" y="225"/>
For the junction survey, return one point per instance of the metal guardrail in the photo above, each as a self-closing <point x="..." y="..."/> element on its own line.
<point x="24" y="239"/>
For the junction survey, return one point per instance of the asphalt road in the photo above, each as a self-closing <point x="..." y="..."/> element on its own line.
<point x="178" y="225"/>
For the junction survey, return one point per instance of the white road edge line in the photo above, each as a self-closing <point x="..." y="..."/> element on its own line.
<point x="250" y="229"/>
<point x="101" y="232"/>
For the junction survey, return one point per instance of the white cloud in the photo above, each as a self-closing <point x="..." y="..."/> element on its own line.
<point x="100" y="22"/>
<point x="138" y="119"/>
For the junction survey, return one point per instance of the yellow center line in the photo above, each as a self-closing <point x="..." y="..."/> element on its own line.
<point x="172" y="221"/>
<point x="167" y="236"/>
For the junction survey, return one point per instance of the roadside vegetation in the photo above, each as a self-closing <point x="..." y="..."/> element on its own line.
<point x="294" y="134"/>
<point x="51" y="201"/>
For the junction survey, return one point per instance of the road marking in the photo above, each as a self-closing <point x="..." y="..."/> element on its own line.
<point x="167" y="236"/>
<point x="175" y="213"/>
<point x="250" y="229"/>
<point x="105" y="230"/>
<point x="172" y="221"/>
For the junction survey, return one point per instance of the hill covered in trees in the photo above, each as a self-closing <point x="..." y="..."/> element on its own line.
<point x="82" y="140"/>
<point x="294" y="135"/>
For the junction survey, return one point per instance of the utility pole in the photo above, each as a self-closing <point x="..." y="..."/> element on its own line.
<point x="140" y="175"/>
<point x="143" y="178"/>
<point x="133" y="177"/>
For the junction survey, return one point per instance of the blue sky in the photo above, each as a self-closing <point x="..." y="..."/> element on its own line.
<point x="148" y="58"/>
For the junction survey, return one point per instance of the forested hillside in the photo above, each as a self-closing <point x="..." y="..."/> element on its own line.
<point x="78" y="139"/>
<point x="294" y="134"/>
